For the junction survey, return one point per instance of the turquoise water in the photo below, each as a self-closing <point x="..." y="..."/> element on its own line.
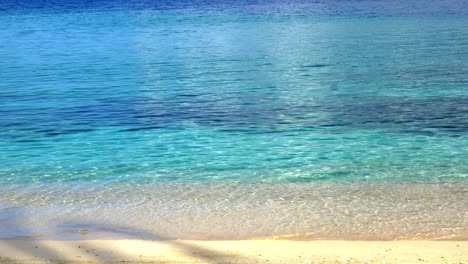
<point x="147" y="94"/>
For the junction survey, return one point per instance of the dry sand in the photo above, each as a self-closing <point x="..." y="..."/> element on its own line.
<point x="236" y="251"/>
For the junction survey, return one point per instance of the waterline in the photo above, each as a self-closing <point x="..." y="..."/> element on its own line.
<point x="318" y="210"/>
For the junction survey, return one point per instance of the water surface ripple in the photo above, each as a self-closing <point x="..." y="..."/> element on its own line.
<point x="223" y="93"/>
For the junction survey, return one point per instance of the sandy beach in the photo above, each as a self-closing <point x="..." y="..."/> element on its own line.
<point x="201" y="131"/>
<point x="235" y="251"/>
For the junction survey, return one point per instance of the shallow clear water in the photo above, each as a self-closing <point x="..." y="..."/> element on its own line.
<point x="143" y="96"/>
<point x="316" y="210"/>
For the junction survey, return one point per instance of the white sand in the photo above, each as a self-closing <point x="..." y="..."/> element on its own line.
<point x="236" y="251"/>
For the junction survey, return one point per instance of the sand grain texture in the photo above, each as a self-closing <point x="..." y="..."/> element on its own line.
<point x="236" y="251"/>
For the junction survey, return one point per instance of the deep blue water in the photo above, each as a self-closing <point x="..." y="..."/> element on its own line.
<point x="271" y="91"/>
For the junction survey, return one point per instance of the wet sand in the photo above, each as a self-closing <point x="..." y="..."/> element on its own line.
<point x="234" y="251"/>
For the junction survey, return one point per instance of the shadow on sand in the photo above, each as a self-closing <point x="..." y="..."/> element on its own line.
<point x="30" y="249"/>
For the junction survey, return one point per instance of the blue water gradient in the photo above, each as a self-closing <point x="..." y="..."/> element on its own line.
<point x="199" y="91"/>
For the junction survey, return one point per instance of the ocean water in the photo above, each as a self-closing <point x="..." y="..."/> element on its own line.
<point x="234" y="119"/>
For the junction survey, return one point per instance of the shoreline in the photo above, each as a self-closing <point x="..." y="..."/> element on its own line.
<point x="236" y="211"/>
<point x="232" y="251"/>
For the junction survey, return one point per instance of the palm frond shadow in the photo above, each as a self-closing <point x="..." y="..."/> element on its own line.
<point x="87" y="252"/>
